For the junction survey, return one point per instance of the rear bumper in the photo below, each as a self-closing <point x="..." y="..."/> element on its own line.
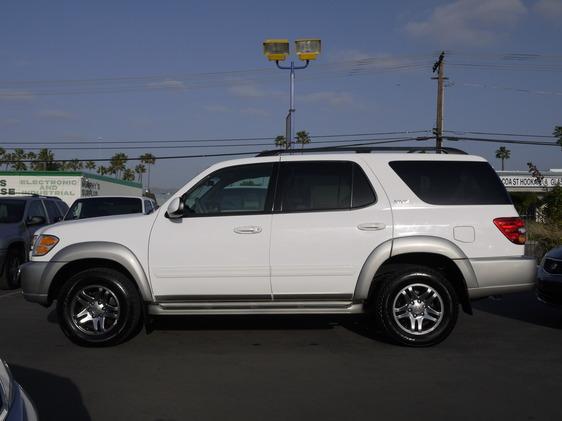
<point x="505" y="275"/>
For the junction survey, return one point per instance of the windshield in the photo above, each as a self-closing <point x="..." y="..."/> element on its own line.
<point x="103" y="206"/>
<point x="11" y="211"/>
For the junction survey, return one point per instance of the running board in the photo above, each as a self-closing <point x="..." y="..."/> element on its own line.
<point x="216" y="308"/>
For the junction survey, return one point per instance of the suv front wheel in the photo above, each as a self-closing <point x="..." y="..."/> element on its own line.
<point x="99" y="307"/>
<point x="416" y="306"/>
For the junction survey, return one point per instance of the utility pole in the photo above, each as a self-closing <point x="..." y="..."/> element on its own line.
<point x="439" y="67"/>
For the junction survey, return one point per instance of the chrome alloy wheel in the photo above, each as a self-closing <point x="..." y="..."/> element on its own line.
<point x="418" y="309"/>
<point x="95" y="310"/>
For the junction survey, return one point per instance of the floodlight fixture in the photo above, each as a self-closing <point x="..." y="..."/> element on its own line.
<point x="308" y="49"/>
<point x="276" y="49"/>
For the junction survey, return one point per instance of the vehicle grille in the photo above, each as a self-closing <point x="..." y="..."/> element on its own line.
<point x="553" y="266"/>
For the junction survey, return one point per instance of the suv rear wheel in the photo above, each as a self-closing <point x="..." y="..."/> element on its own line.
<point x="416" y="306"/>
<point x="99" y="307"/>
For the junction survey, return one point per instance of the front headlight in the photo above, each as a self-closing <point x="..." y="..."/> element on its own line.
<point x="44" y="244"/>
<point x="6" y="390"/>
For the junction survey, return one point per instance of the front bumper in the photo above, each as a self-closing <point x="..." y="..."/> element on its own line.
<point x="2" y="261"/>
<point x="549" y="287"/>
<point x="504" y="275"/>
<point x="22" y="408"/>
<point x="36" y="279"/>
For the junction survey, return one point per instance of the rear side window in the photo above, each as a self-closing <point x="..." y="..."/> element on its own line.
<point x="452" y="182"/>
<point x="320" y="186"/>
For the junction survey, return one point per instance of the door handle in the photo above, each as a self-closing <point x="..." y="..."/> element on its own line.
<point x="250" y="229"/>
<point x="372" y="226"/>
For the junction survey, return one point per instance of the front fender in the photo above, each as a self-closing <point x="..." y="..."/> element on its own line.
<point x="115" y="252"/>
<point x="406" y="245"/>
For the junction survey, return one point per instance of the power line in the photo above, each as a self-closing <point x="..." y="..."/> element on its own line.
<point x="190" y="156"/>
<point x="207" y="140"/>
<point x="510" y="141"/>
<point x="508" y="88"/>
<point x="238" y="145"/>
<point x="501" y="134"/>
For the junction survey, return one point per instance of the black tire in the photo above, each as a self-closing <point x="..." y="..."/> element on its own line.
<point x="9" y="279"/>
<point x="430" y="293"/>
<point x="105" y="290"/>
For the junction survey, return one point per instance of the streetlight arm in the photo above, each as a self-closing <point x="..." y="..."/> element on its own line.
<point x="292" y="66"/>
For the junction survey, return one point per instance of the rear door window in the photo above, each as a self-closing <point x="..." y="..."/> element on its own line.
<point x="309" y="186"/>
<point x="453" y="182"/>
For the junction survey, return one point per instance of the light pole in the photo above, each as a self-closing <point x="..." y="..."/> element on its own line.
<point x="277" y="50"/>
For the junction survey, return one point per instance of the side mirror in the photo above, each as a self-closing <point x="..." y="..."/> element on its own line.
<point x="36" y="220"/>
<point x="175" y="208"/>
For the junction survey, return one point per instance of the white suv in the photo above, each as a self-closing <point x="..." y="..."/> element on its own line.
<point x="405" y="237"/>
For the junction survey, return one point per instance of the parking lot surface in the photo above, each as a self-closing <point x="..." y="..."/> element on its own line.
<point x="505" y="362"/>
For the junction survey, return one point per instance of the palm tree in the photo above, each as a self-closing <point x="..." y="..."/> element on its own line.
<point x="140" y="169"/>
<point x="117" y="164"/>
<point x="303" y="137"/>
<point x="102" y="170"/>
<point x="280" y="142"/>
<point x="44" y="161"/>
<point x="7" y="160"/>
<point x="503" y="153"/>
<point x="128" y="175"/>
<point x="74" y="165"/>
<point x="18" y="157"/>
<point x="149" y="160"/>
<point x="90" y="165"/>
<point x="558" y="134"/>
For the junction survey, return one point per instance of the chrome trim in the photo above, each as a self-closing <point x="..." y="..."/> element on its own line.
<point x="257" y="308"/>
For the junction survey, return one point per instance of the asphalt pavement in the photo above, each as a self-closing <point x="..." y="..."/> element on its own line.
<point x="504" y="362"/>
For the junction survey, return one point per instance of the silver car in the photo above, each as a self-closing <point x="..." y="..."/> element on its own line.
<point x="15" y="405"/>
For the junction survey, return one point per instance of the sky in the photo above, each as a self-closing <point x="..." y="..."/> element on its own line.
<point x="146" y="71"/>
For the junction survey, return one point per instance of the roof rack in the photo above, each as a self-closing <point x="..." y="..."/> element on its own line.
<point x="364" y="149"/>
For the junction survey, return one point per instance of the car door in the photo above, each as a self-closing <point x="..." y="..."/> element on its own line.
<point x="329" y="216"/>
<point x="219" y="250"/>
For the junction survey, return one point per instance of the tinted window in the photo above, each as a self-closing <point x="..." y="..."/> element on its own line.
<point x="307" y="186"/>
<point x="63" y="207"/>
<point x="103" y="206"/>
<point x="234" y="190"/>
<point x="363" y="193"/>
<point x="52" y="210"/>
<point x="36" y="209"/>
<point x="452" y="182"/>
<point x="11" y="211"/>
<point x="148" y="206"/>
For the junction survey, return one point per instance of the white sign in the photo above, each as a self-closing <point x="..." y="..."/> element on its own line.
<point x="528" y="182"/>
<point x="67" y="188"/>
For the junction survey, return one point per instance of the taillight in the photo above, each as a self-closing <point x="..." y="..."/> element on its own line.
<point x="512" y="228"/>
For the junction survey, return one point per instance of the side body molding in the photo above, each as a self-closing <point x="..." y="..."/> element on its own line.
<point x="104" y="250"/>
<point x="412" y="244"/>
